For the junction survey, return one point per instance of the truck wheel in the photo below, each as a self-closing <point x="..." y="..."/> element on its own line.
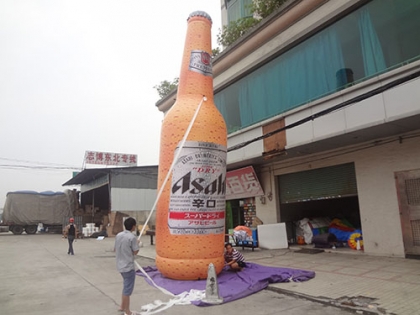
<point x="31" y="229"/>
<point x="16" y="229"/>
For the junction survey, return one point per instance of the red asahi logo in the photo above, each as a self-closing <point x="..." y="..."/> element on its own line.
<point x="205" y="58"/>
<point x="200" y="61"/>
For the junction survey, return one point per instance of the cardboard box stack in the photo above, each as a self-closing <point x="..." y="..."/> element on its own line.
<point x="113" y="222"/>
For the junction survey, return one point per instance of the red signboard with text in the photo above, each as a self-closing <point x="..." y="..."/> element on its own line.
<point x="107" y="158"/>
<point x="242" y="183"/>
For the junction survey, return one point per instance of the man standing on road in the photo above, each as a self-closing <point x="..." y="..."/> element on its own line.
<point x="70" y="231"/>
<point x="126" y="248"/>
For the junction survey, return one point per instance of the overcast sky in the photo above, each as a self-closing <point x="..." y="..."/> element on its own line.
<point x="78" y="75"/>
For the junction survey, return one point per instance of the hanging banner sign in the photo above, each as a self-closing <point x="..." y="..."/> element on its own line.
<point x="242" y="183"/>
<point x="107" y="158"/>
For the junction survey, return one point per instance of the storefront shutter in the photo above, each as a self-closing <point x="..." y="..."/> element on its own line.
<point x="322" y="183"/>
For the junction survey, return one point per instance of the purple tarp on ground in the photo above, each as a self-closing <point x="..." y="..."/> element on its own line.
<point x="233" y="285"/>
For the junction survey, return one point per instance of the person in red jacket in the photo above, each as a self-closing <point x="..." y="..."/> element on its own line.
<point x="70" y="232"/>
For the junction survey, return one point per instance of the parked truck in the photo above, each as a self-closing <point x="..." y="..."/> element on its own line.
<point x="25" y="210"/>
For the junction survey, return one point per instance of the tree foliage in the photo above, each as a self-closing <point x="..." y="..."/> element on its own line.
<point x="229" y="34"/>
<point x="236" y="29"/>
<point x="166" y="87"/>
<point x="215" y="52"/>
<point x="263" y="8"/>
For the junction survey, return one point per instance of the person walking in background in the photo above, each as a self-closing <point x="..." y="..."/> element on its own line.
<point x="71" y="232"/>
<point x="126" y="248"/>
<point x="233" y="258"/>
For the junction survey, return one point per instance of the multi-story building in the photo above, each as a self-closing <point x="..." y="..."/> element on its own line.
<point x="322" y="99"/>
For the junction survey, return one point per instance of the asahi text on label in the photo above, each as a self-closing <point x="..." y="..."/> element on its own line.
<point x="197" y="200"/>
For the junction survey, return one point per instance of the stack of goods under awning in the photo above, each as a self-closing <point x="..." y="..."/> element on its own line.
<point x="327" y="233"/>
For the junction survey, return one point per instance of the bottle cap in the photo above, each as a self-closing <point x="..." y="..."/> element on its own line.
<point x="200" y="13"/>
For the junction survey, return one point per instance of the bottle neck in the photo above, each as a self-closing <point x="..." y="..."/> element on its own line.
<point x="196" y="75"/>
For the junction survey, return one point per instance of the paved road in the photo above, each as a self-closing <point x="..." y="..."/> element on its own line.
<point x="38" y="277"/>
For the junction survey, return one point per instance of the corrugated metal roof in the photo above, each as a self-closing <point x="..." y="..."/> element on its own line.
<point x="88" y="175"/>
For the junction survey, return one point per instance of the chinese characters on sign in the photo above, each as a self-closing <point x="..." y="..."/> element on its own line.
<point x="107" y="158"/>
<point x="242" y="183"/>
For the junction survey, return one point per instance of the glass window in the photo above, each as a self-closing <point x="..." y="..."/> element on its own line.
<point x="373" y="39"/>
<point x="238" y="9"/>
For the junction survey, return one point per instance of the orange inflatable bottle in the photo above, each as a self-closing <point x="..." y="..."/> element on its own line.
<point x="190" y="213"/>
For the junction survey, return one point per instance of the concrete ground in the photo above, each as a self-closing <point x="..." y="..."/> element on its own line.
<point x="38" y="277"/>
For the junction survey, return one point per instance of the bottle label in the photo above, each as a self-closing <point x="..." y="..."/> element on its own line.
<point x="198" y="190"/>
<point x="200" y="61"/>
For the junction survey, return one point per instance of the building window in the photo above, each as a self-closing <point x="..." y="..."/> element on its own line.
<point x="238" y="9"/>
<point x="376" y="38"/>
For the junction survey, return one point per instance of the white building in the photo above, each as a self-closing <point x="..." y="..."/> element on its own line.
<point x="106" y="191"/>
<point x="322" y="98"/>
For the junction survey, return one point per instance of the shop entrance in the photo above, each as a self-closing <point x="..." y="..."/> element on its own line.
<point x="326" y="193"/>
<point x="234" y="214"/>
<point x="408" y="188"/>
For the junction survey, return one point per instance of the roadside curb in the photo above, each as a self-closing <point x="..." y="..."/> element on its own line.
<point x="327" y="301"/>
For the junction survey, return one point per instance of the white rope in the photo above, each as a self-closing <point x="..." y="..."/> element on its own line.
<point x="184" y="297"/>
<point x="151" y="280"/>
<point x="187" y="132"/>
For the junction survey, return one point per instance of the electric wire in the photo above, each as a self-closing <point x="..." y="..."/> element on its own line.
<point x="327" y="111"/>
<point x="35" y="165"/>
<point x="38" y="167"/>
<point x="365" y="147"/>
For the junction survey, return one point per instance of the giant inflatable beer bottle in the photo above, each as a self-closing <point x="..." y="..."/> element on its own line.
<point x="190" y="213"/>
